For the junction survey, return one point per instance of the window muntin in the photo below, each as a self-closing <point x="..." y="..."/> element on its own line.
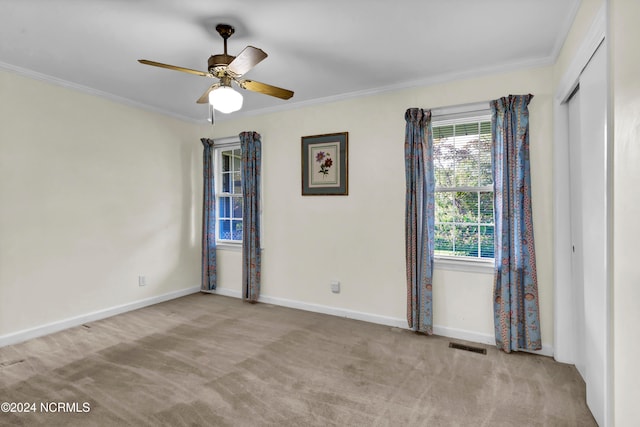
<point x="228" y="195"/>
<point x="464" y="220"/>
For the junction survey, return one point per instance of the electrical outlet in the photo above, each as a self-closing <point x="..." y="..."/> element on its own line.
<point x="142" y="280"/>
<point x="335" y="286"/>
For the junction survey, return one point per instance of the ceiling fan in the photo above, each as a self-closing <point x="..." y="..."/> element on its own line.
<point x="227" y="69"/>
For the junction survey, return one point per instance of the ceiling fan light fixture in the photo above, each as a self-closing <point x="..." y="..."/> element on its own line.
<point x="225" y="99"/>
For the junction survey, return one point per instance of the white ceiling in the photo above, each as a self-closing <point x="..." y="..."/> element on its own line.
<point x="321" y="50"/>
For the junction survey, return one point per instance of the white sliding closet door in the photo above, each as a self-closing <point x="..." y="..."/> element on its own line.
<point x="587" y="149"/>
<point x="577" y="257"/>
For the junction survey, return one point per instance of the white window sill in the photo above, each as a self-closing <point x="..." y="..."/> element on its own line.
<point x="234" y="247"/>
<point x="468" y="265"/>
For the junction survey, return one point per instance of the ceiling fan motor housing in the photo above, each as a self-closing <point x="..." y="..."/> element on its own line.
<point x="217" y="61"/>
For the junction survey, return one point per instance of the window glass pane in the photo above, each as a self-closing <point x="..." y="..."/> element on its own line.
<point x="444" y="239"/>
<point x="224" y="229"/>
<point x="445" y="209"/>
<point x="224" y="207"/>
<point x="442" y="132"/>
<point x="462" y="154"/>
<point x="444" y="161"/>
<point x="237" y="207"/>
<point x="237" y="159"/>
<point x="237" y="183"/>
<point x="226" y="182"/>
<point x="486" y="207"/>
<point x="230" y="229"/>
<point x="485" y="175"/>
<point x="466" y="161"/>
<point x="465" y="129"/>
<point x="226" y="161"/>
<point x="466" y="240"/>
<point x="486" y="242"/>
<point x="466" y="204"/>
<point x="485" y="129"/>
<point x="236" y="230"/>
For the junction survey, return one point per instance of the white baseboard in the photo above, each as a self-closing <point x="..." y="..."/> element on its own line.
<point x="334" y="311"/>
<point x="226" y="292"/>
<point x="546" y="350"/>
<point x="444" y="331"/>
<point x="375" y="318"/>
<point x="60" y="325"/>
<point x="461" y="334"/>
<point x="317" y="308"/>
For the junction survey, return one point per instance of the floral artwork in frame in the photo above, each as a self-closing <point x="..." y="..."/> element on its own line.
<point x="325" y="165"/>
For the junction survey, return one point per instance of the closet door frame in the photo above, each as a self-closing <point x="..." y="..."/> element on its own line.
<point x="564" y="313"/>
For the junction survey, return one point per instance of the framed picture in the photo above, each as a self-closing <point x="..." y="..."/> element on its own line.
<point x="325" y="165"/>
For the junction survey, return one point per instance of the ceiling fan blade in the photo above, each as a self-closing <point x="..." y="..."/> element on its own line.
<point x="204" y="99"/>
<point x="254" y="86"/>
<point x="246" y="60"/>
<point x="173" y="67"/>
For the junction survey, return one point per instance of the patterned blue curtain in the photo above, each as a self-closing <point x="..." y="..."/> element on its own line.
<point x="515" y="299"/>
<point x="209" y="272"/>
<point x="251" y="150"/>
<point x="419" y="218"/>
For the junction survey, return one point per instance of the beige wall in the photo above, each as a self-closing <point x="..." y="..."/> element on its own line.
<point x="92" y="194"/>
<point x="624" y="31"/>
<point x="359" y="239"/>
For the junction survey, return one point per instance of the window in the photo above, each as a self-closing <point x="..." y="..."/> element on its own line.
<point x="228" y="191"/>
<point x="464" y="222"/>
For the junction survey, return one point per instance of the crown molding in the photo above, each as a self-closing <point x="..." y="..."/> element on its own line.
<point x="566" y="28"/>
<point x="90" y="91"/>
<point x="430" y="81"/>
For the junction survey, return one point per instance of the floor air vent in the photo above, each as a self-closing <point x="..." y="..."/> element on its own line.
<point x="468" y="348"/>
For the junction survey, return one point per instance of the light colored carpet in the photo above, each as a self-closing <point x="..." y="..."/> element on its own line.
<point x="207" y="360"/>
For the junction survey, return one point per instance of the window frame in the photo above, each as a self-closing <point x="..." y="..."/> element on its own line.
<point x="221" y="145"/>
<point x="463" y="263"/>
